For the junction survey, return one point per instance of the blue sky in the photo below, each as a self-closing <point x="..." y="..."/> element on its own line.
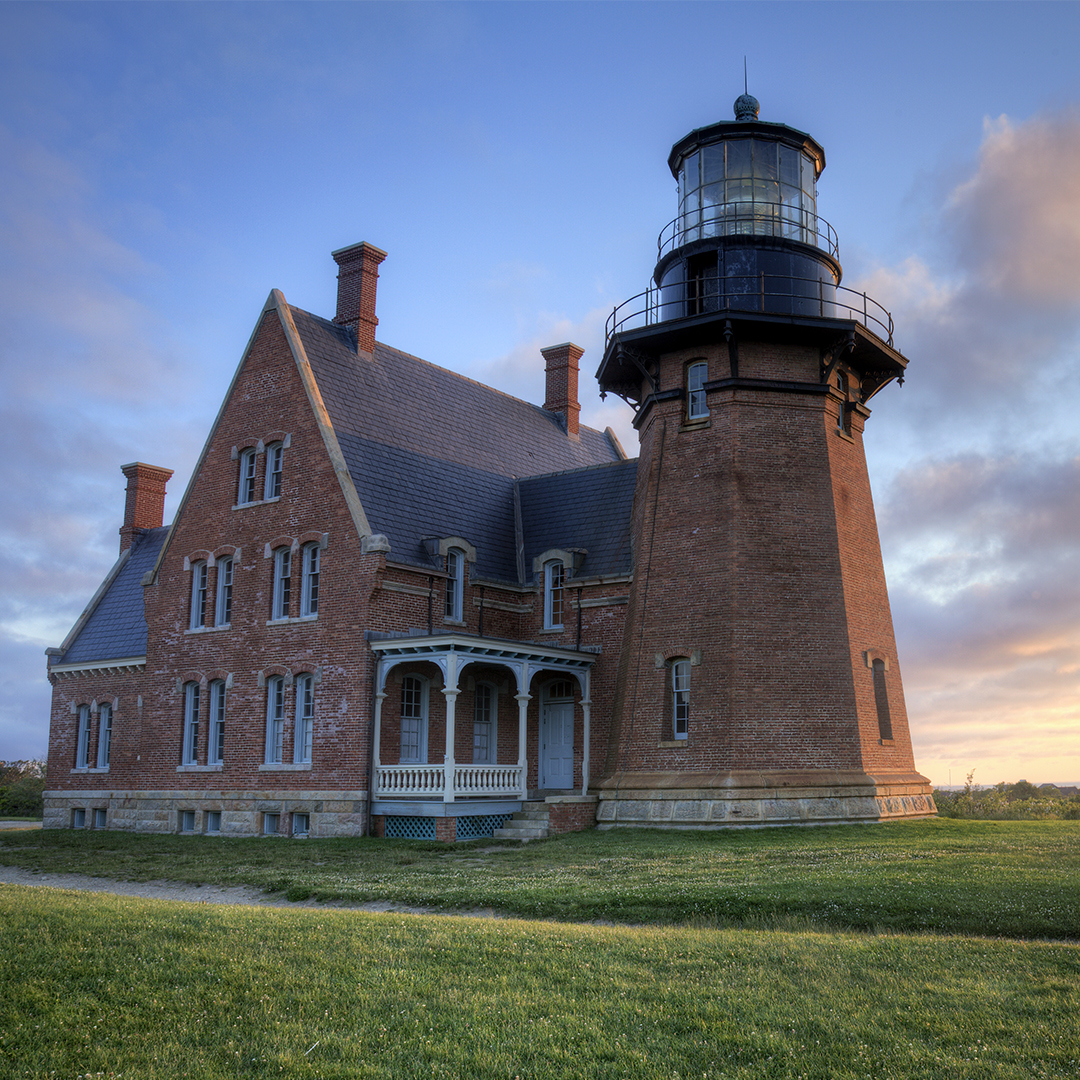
<point x="163" y="166"/>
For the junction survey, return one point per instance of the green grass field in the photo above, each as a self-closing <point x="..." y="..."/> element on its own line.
<point x="847" y="952"/>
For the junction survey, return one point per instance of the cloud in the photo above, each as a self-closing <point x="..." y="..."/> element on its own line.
<point x="977" y="469"/>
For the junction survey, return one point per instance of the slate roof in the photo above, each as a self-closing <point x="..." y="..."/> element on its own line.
<point x="587" y="509"/>
<point x="116" y="627"/>
<point x="434" y="454"/>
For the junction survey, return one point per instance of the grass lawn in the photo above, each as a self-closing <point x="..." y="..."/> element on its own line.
<point x="96" y="985"/>
<point x="1009" y="878"/>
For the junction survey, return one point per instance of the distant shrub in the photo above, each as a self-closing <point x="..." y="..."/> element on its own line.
<point x="22" y="784"/>
<point x="1021" y="801"/>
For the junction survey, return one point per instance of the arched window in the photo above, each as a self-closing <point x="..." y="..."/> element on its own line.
<point x="282" y="583"/>
<point x="275" y="454"/>
<point x="104" y="746"/>
<point x="696" y="375"/>
<point x="223" y="605"/>
<point x="680" y="698"/>
<point x="190" y="747"/>
<point x="309" y="592"/>
<point x="305" y="718"/>
<point x="246" y="492"/>
<point x="216" y="752"/>
<point x="554" y="582"/>
<point x="485" y="723"/>
<point x="198" y="595"/>
<point x="414" y="719"/>
<point x="455" y="584"/>
<point x="82" y="742"/>
<point x="275" y="719"/>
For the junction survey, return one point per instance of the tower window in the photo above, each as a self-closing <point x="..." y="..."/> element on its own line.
<point x="455" y="584"/>
<point x="843" y="417"/>
<point x="680" y="698"/>
<point x="554" y="582"/>
<point x="696" y="374"/>
<point x="881" y="700"/>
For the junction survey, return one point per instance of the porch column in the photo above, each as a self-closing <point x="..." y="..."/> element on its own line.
<point x="380" y="697"/>
<point x="523" y="712"/>
<point x="450" y="692"/>
<point x="586" y="706"/>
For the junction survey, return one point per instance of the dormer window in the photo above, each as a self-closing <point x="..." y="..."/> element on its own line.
<point x="455" y="584"/>
<point x="554" y="582"/>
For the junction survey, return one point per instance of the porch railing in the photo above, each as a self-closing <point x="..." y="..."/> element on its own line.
<point x="430" y="780"/>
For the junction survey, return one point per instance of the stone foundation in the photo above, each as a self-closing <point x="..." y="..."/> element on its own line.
<point x="756" y="799"/>
<point x="241" y="813"/>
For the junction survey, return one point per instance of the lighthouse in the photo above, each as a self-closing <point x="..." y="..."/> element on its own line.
<point x="758" y="681"/>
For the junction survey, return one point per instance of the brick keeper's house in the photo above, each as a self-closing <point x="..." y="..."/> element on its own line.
<point x="394" y="600"/>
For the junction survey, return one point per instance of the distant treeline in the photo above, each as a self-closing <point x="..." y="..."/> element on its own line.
<point x="1021" y="801"/>
<point x="22" y="784"/>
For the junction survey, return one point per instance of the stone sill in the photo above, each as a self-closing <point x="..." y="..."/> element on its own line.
<point x="695" y="425"/>
<point x="673" y="744"/>
<point x="257" y="502"/>
<point x="887" y="742"/>
<point x="290" y="620"/>
<point x="289" y="767"/>
<point x="200" y="768"/>
<point x="208" y="629"/>
<point x="81" y="770"/>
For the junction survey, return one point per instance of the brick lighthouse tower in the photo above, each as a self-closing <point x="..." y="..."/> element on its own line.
<point x="758" y="679"/>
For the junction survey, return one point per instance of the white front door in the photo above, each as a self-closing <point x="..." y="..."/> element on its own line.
<point x="557" y="745"/>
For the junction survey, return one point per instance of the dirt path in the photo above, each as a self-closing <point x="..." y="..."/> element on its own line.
<point x="208" y="894"/>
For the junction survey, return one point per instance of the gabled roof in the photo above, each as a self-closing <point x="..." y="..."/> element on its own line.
<point x="584" y="510"/>
<point x="433" y="454"/>
<point x="113" y="626"/>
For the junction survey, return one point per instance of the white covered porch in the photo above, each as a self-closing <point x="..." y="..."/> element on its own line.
<point x="451" y="781"/>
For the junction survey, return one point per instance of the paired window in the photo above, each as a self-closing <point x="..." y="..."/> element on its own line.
<point x="275" y="719"/>
<point x="554" y="585"/>
<point x="485" y="724"/>
<point x="223" y="605"/>
<point x="680" y="698"/>
<point x="414" y="719"/>
<point x="696" y="376"/>
<point x="190" y="745"/>
<point x="199" y="573"/>
<point x="275" y="455"/>
<point x="282" y="583"/>
<point x="246" y="494"/>
<point x="309" y="593"/>
<point x="216" y="752"/>
<point x="455" y="584"/>
<point x="305" y="718"/>
<point x="82" y="744"/>
<point x="104" y="747"/>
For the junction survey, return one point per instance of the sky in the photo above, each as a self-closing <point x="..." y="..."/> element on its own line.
<point x="164" y="166"/>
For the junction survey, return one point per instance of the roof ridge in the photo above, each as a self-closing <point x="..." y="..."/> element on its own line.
<point x="579" y="469"/>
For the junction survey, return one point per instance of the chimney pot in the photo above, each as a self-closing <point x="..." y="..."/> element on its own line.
<point x="562" y="383"/>
<point x="358" y="277"/>
<point x="145" y="505"/>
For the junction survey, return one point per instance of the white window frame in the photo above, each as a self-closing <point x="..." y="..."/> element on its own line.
<point x="485" y="715"/>
<point x="275" y="719"/>
<point x="104" y="746"/>
<point x="554" y="593"/>
<point x="282" y="583"/>
<point x="305" y="719"/>
<point x="199" y="576"/>
<point x="309" y="589"/>
<point x="274" y="479"/>
<point x="190" y="748"/>
<point x="215" y="750"/>
<point x="455" y="585"/>
<point x="246" y="491"/>
<point x="414" y="693"/>
<point x="223" y="600"/>
<point x="680" y="698"/>
<point x="82" y="743"/>
<point x="697" y="375"/>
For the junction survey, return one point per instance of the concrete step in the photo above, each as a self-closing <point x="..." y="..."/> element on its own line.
<point x="527" y="824"/>
<point x="507" y="833"/>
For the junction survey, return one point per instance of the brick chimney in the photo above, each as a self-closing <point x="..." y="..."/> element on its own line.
<point x="145" y="507"/>
<point x="358" y="276"/>
<point x="562" y="373"/>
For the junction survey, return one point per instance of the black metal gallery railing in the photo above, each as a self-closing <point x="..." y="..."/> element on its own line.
<point x="762" y="293"/>
<point x="780" y="220"/>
